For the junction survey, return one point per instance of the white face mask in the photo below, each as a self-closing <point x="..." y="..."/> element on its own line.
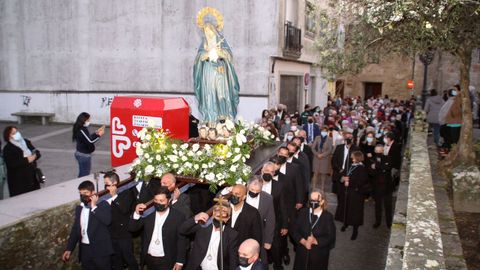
<point x="293" y="128"/>
<point x="86" y="124"/>
<point x="454" y="93"/>
<point x="289" y="137"/>
<point x="17" y="136"/>
<point x="324" y="133"/>
<point x="369" y="139"/>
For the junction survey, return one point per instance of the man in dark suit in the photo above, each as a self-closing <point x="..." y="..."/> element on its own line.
<point x="144" y="191"/>
<point x="300" y="158"/>
<point x="245" y="219"/>
<point x="90" y="230"/>
<point x="263" y="202"/>
<point x="393" y="150"/>
<point x="248" y="256"/>
<point x="290" y="175"/>
<point x="205" y="252"/>
<point x="304" y="147"/>
<point x="273" y="186"/>
<point x="180" y="201"/>
<point x="379" y="170"/>
<point x="312" y="129"/>
<point x="341" y="160"/>
<point x="121" y="205"/>
<point x="163" y="247"/>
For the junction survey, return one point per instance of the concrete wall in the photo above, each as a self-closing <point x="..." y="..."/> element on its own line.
<point x="128" y="46"/>
<point x="394" y="72"/>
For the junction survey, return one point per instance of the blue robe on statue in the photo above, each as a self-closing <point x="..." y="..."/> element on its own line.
<point x="215" y="82"/>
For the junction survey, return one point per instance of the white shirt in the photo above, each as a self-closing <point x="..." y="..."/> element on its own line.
<point x="253" y="201"/>
<point x="386" y="149"/>
<point x="345" y="156"/>
<point x="84" y="216"/>
<point x="210" y="260"/>
<point x="156" y="243"/>
<point x="139" y="187"/>
<point x="112" y="199"/>
<point x="267" y="186"/>
<point x="283" y="169"/>
<point x="235" y="214"/>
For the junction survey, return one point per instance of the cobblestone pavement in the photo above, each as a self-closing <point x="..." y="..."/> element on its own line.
<point x="368" y="252"/>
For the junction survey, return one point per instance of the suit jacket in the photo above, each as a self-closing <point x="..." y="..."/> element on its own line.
<point x="293" y="186"/>
<point x="97" y="231"/>
<point x="309" y="152"/>
<point x="305" y="169"/>
<point x="174" y="243"/>
<point x="279" y="205"/>
<point x="121" y="210"/>
<point x="316" y="132"/>
<point x="147" y="192"/>
<point x="267" y="214"/>
<point x="183" y="205"/>
<point x="395" y="155"/>
<point x="381" y="177"/>
<point x="247" y="224"/>
<point x="337" y="161"/>
<point x="202" y="240"/>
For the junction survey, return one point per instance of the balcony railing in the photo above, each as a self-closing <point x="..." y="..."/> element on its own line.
<point x="293" y="41"/>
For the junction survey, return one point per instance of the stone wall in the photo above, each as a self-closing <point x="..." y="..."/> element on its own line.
<point x="38" y="241"/>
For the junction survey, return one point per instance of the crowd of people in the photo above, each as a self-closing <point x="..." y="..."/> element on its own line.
<point x="350" y="148"/>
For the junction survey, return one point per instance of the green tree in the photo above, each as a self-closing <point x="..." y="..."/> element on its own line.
<point x="408" y="28"/>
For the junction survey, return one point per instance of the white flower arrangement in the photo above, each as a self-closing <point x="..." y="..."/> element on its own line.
<point x="219" y="164"/>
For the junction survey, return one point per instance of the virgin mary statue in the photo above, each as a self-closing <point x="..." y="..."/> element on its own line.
<point x="215" y="81"/>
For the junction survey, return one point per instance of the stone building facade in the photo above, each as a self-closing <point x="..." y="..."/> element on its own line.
<point x="390" y="76"/>
<point x="72" y="56"/>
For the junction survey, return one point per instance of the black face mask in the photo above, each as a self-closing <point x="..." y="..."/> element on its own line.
<point x="85" y="199"/>
<point x="267" y="177"/>
<point x="290" y="154"/>
<point x="348" y="141"/>
<point x="234" y="200"/>
<point x="253" y="194"/>
<point x="310" y="121"/>
<point x="160" y="207"/>
<point x="216" y="223"/>
<point x="360" y="127"/>
<point x="302" y="139"/>
<point x="276" y="172"/>
<point x="243" y="261"/>
<point x="282" y="159"/>
<point x="314" y="204"/>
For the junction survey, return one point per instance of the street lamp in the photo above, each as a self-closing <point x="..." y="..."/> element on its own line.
<point x="426" y="58"/>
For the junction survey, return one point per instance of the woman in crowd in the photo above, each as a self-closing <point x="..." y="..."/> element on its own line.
<point x="314" y="234"/>
<point x="322" y="148"/>
<point x="350" y="211"/>
<point x="20" y="157"/>
<point x="368" y="146"/>
<point x="85" y="143"/>
<point x="284" y="126"/>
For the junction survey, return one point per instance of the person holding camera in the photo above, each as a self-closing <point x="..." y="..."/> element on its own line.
<point x="20" y="156"/>
<point x="85" y="143"/>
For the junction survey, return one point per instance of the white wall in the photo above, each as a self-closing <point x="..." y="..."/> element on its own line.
<point x="115" y="45"/>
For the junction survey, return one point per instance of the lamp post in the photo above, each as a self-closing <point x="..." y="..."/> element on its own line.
<point x="426" y="58"/>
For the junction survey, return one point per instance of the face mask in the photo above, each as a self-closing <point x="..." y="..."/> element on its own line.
<point x="253" y="194"/>
<point x="314" y="204"/>
<point x="293" y="128"/>
<point x="289" y="137"/>
<point x="267" y="177"/>
<point x="290" y="154"/>
<point x="324" y="133"/>
<point x="375" y="121"/>
<point x="17" y="136"/>
<point x="282" y="159"/>
<point x="84" y="199"/>
<point x="385" y="140"/>
<point x="234" y="200"/>
<point x="243" y="261"/>
<point x="369" y="139"/>
<point x="287" y="122"/>
<point x="454" y="93"/>
<point x="216" y="223"/>
<point x="378" y="135"/>
<point x="348" y="141"/>
<point x="302" y="139"/>
<point x="86" y="124"/>
<point x="360" y="127"/>
<point x="160" y="207"/>
<point x="310" y="121"/>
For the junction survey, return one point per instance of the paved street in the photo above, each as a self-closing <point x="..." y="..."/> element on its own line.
<point x="58" y="163"/>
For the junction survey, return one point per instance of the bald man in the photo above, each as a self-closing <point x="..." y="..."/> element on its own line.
<point x="180" y="201"/>
<point x="245" y="219"/>
<point x="248" y="256"/>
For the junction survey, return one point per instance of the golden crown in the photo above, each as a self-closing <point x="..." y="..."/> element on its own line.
<point x="210" y="11"/>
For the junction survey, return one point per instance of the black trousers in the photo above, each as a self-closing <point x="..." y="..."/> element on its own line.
<point x="157" y="263"/>
<point x="275" y="252"/>
<point x="92" y="261"/>
<point x="383" y="200"/>
<point x="123" y="248"/>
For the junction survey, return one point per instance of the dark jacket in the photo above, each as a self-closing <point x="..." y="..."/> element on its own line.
<point x="147" y="191"/>
<point x="381" y="177"/>
<point x="248" y="224"/>
<point x="258" y="265"/>
<point x="183" y="205"/>
<point x="122" y="208"/>
<point x="352" y="198"/>
<point x="85" y="141"/>
<point x="395" y="155"/>
<point x="97" y="231"/>
<point x="174" y="243"/>
<point x="202" y="240"/>
<point x="293" y="186"/>
<point x="325" y="233"/>
<point x="20" y="173"/>
<point x="316" y="131"/>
